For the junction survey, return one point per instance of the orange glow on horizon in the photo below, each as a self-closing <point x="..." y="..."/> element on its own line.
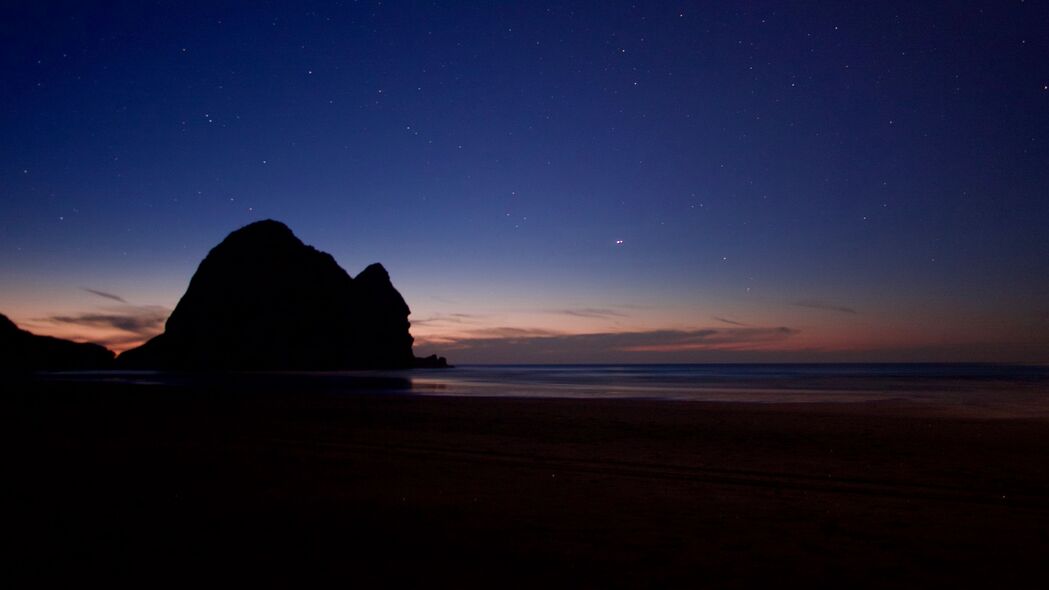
<point x="641" y="335"/>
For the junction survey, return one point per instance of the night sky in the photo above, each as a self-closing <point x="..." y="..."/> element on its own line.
<point x="548" y="182"/>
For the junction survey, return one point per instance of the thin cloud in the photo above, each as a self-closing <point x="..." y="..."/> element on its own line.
<point x="105" y="295"/>
<point x="511" y="333"/>
<point x="450" y="318"/>
<point x="139" y="321"/>
<point x="589" y="312"/>
<point x="729" y="322"/>
<point x="711" y="339"/>
<point x="823" y="305"/>
<point x="118" y="342"/>
<point x="536" y="345"/>
<point x="483" y="336"/>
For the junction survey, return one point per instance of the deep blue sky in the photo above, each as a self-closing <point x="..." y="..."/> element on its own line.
<point x="872" y="178"/>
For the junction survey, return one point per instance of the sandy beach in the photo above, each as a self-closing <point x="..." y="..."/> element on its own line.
<point x="168" y="484"/>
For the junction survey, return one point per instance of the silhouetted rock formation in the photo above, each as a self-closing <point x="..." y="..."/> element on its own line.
<point x="263" y="300"/>
<point x="24" y="351"/>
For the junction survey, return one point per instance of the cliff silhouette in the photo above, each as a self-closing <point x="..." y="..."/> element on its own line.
<point x="264" y="300"/>
<point x="21" y="350"/>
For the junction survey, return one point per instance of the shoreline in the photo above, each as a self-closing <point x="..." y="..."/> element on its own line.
<point x="1022" y="397"/>
<point x="384" y="488"/>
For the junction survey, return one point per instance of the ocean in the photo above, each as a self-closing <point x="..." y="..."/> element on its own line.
<point x="740" y="382"/>
<point x="1009" y="389"/>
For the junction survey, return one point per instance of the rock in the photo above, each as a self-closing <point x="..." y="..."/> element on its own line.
<point x="263" y="300"/>
<point x="431" y="362"/>
<point x="24" y="351"/>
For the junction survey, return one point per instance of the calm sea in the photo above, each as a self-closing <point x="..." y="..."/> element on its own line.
<point x="956" y="383"/>
<point x="1008" y="389"/>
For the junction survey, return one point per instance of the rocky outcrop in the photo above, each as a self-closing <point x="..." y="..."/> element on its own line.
<point x="263" y="300"/>
<point x="24" y="351"/>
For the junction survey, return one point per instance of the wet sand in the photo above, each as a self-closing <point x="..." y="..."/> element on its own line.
<point x="221" y="482"/>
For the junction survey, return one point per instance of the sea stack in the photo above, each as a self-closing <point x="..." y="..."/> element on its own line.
<point x="264" y="300"/>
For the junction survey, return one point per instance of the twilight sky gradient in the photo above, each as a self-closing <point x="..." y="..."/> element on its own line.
<point x="548" y="182"/>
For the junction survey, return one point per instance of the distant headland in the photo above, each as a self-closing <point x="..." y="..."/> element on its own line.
<point x="23" y="351"/>
<point x="264" y="300"/>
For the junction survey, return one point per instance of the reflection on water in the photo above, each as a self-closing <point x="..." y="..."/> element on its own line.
<point x="1000" y="389"/>
<point x="966" y="383"/>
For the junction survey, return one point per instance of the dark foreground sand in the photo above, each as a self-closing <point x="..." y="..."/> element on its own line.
<point x="233" y="483"/>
